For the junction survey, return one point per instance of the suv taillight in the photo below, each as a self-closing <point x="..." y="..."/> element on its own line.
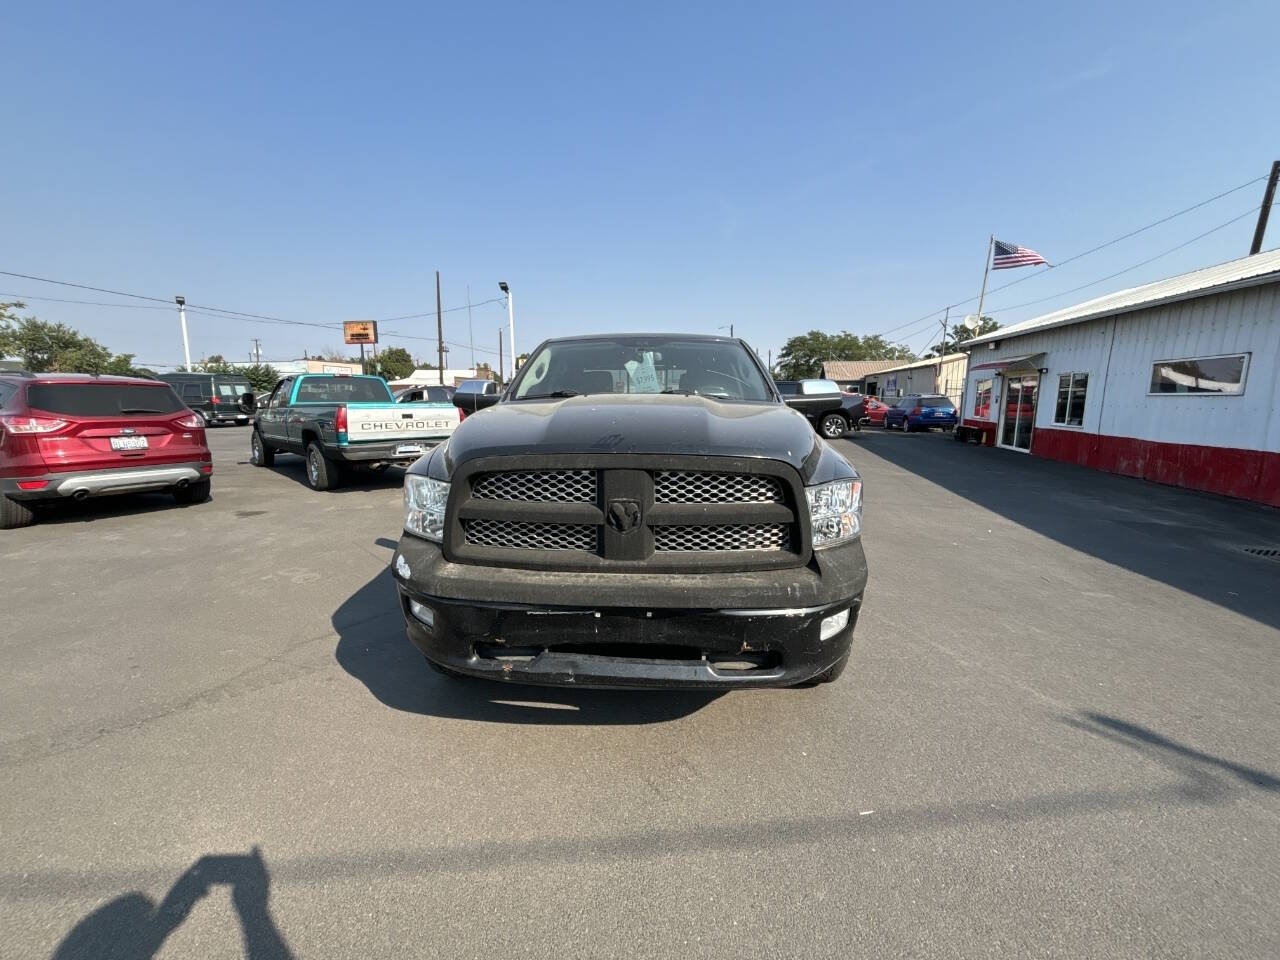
<point x="192" y="421"/>
<point x="214" y="400"/>
<point x="342" y="418"/>
<point x="915" y="412"/>
<point x="462" y="414"/>
<point x="32" y="424"/>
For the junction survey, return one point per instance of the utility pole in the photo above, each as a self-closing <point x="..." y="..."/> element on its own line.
<point x="181" y="301"/>
<point x="257" y="350"/>
<point x="986" y="269"/>
<point x="439" y="329"/>
<point x="1268" y="198"/>
<point x="945" y="322"/>
<point x="771" y="361"/>
<point x="500" y="377"/>
<point x="471" y="333"/>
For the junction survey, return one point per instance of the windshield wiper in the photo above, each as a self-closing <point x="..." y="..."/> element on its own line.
<point x="683" y="393"/>
<point x="553" y="395"/>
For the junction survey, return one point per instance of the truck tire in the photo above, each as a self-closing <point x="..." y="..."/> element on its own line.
<point x="14" y="514"/>
<point x="828" y="675"/>
<point x="833" y="426"/>
<point x="322" y="473"/>
<point x="197" y="492"/>
<point x="260" y="455"/>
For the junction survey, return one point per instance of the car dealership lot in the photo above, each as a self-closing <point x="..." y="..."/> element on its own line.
<point x="1061" y="741"/>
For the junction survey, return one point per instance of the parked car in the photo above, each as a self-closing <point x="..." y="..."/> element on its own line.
<point x="70" y="436"/>
<point x="634" y="511"/>
<point x="439" y="393"/>
<point x="875" y="410"/>
<point x="474" y="395"/>
<point x="216" y="397"/>
<point x="832" y="412"/>
<point x="338" y="421"/>
<point x="917" y="411"/>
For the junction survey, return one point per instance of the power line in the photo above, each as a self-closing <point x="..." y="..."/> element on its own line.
<point x="1101" y="246"/>
<point x="1062" y="293"/>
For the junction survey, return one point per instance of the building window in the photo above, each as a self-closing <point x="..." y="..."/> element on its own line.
<point x="1072" y="388"/>
<point x="982" y="399"/>
<point x="1220" y="376"/>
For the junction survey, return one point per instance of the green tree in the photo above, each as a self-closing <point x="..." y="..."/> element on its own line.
<point x="45" y="347"/>
<point x="261" y="376"/>
<point x="961" y="334"/>
<point x="802" y="356"/>
<point x="214" y="363"/>
<point x="396" y="363"/>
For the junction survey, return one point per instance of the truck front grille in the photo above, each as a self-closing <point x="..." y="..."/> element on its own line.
<point x="735" y="536"/>
<point x="688" y="486"/>
<point x="541" y="486"/>
<point x="514" y="535"/>
<point x="611" y="512"/>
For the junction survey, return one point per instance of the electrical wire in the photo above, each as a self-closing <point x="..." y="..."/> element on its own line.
<point x="1039" y="273"/>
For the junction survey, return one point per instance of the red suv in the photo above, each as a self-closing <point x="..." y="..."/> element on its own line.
<point x="74" y="435"/>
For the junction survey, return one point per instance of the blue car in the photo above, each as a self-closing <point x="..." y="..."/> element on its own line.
<point x="920" y="411"/>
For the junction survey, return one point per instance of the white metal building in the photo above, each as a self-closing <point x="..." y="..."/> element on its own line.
<point x="1175" y="381"/>
<point x="938" y="375"/>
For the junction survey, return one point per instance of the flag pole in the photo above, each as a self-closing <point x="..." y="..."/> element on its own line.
<point x="986" y="269"/>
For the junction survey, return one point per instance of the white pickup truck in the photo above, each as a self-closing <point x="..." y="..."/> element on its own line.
<point x="335" y="420"/>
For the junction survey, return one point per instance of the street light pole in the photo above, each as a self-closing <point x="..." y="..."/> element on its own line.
<point x="511" y="321"/>
<point x="182" y="318"/>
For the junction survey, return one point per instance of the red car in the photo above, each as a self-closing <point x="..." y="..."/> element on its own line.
<point x="875" y="410"/>
<point x="74" y="436"/>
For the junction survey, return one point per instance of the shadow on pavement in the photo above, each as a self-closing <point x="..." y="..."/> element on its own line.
<point x="1191" y="541"/>
<point x="1189" y="761"/>
<point x="132" y="927"/>
<point x="354" y="480"/>
<point x="373" y="648"/>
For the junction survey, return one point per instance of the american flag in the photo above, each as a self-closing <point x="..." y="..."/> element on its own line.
<point x="1011" y="255"/>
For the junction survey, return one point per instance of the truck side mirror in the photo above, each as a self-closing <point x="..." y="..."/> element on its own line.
<point x="473" y="402"/>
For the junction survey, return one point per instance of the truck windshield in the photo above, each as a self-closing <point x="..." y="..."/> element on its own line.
<point x="710" y="368"/>
<point x="343" y="390"/>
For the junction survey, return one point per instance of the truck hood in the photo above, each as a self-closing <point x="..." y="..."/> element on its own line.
<point x="639" y="424"/>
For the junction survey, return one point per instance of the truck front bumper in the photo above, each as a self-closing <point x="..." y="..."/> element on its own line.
<point x="714" y="630"/>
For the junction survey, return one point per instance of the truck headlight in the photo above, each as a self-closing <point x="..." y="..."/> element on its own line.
<point x="835" y="511"/>
<point x="424" y="503"/>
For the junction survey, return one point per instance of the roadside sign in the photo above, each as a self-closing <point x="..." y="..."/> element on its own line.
<point x="360" y="331"/>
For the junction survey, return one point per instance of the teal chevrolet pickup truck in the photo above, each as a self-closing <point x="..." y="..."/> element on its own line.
<point x="338" y="421"/>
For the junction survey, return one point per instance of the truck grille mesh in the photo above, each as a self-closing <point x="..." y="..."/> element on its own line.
<point x="514" y="535"/>
<point x="552" y="486"/>
<point x="738" y="536"/>
<point x="679" y="486"/>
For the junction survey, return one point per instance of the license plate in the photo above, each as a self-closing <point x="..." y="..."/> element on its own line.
<point x="128" y="443"/>
<point x="408" y="450"/>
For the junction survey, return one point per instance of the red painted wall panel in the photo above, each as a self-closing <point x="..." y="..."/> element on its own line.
<point x="1246" y="474"/>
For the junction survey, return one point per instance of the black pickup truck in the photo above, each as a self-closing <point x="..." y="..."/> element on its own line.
<point x="832" y="412"/>
<point x="634" y="511"/>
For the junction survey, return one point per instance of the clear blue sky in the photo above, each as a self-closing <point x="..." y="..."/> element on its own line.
<point x="780" y="166"/>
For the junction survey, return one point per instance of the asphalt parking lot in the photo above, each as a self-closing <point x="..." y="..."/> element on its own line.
<point x="1061" y="742"/>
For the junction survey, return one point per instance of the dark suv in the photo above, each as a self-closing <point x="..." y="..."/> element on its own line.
<point x="216" y="397"/>
<point x="73" y="436"/>
<point x="634" y="511"/>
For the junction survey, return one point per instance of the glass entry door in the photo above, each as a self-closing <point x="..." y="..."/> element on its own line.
<point x="1019" y="411"/>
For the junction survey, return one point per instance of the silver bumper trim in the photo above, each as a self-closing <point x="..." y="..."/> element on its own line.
<point x="122" y="481"/>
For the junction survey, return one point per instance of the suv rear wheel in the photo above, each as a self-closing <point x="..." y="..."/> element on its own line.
<point x="15" y="513"/>
<point x="197" y="492"/>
